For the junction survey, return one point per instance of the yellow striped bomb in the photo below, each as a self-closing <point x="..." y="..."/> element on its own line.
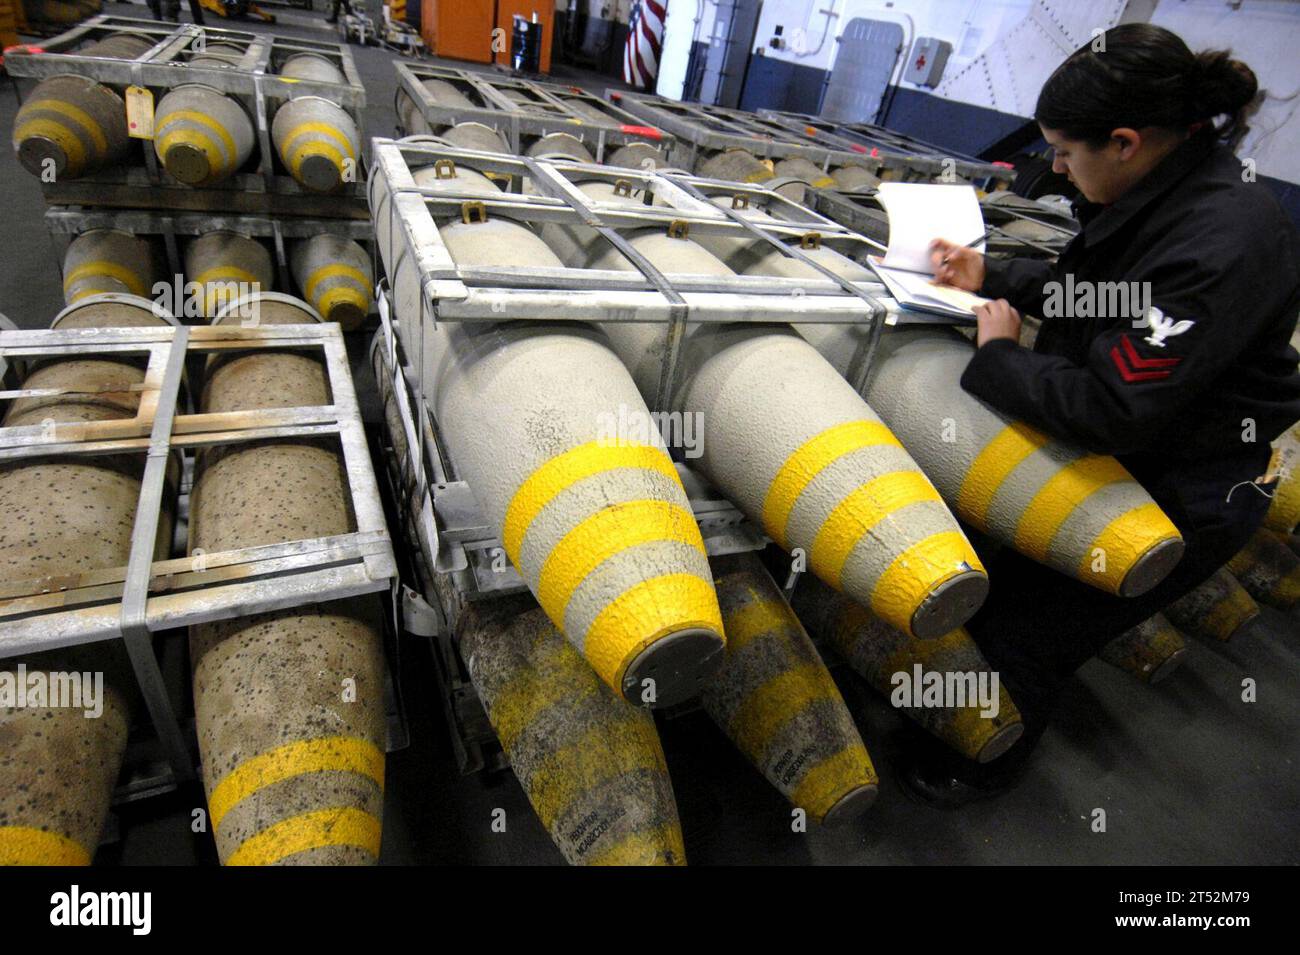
<point x="776" y="701"/>
<point x="288" y="705"/>
<point x="1080" y="513"/>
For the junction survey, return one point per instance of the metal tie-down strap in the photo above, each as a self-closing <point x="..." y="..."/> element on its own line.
<point x="135" y="589"/>
<point x="860" y="365"/>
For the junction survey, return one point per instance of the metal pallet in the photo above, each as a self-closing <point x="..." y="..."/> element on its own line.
<point x="448" y="292"/>
<point x="253" y="83"/>
<point x="70" y="221"/>
<point x="541" y="108"/>
<point x="872" y="140"/>
<point x="148" y="596"/>
<point x="454" y="556"/>
<point x="706" y="129"/>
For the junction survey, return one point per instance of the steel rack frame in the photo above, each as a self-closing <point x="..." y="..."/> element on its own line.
<point x="147" y="596"/>
<point x="705" y="129"/>
<point x="253" y="83"/>
<point x="547" y="108"/>
<point x="453" y="293"/>
<point x="870" y="139"/>
<point x="70" y="221"/>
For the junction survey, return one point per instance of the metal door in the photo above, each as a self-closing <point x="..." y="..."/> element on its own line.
<point x="864" y="63"/>
<point x="734" y="24"/>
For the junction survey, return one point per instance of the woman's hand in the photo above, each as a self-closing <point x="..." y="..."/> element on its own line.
<point x="957" y="265"/>
<point x="997" y="320"/>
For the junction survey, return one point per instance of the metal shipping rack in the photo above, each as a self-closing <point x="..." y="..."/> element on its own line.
<point x="519" y="108"/>
<point x="66" y="222"/>
<point x="148" y="597"/>
<point x="254" y="83"/>
<point x="455" y="555"/>
<point x="870" y="139"/>
<point x="712" y="128"/>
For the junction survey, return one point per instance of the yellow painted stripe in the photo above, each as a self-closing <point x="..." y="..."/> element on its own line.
<point x="823" y="181"/>
<point x="207" y="122"/>
<point x="990" y="468"/>
<point x="917" y="572"/>
<point x="1227" y="615"/>
<point x="808" y="460"/>
<point x="609" y="531"/>
<point x="1284" y="513"/>
<point x="343" y="295"/>
<point x="222" y="274"/>
<point x="566" y="469"/>
<point x="859" y="512"/>
<point x="774" y="703"/>
<point x="102" y="267"/>
<point x="348" y="754"/>
<point x="1059" y="496"/>
<point x="327" y="272"/>
<point x="314" y="147"/>
<point x="644" y="613"/>
<point x="832" y="779"/>
<point x="758" y="176"/>
<point x="201" y="141"/>
<point x="25" y="845"/>
<point x="548" y="680"/>
<point x="755" y="619"/>
<point x="1123" y="541"/>
<point x="78" y="116"/>
<point x="340" y="826"/>
<point x="323" y="129"/>
<point x="602" y="753"/>
<point x="643" y="848"/>
<point x="65" y="138"/>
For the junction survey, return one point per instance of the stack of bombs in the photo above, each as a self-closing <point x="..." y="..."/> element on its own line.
<point x="732" y="165"/>
<point x="71" y="515"/>
<point x="867" y="489"/>
<point x="1266" y="570"/>
<point x="332" y="273"/>
<point x="476" y="135"/>
<point x="289" y="708"/>
<point x="76" y="126"/>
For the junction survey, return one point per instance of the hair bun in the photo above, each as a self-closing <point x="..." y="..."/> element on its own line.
<point x="1223" y="85"/>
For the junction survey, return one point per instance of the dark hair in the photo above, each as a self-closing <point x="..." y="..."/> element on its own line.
<point x="1142" y="75"/>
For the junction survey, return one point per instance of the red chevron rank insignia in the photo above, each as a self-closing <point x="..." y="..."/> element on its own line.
<point x="1133" y="367"/>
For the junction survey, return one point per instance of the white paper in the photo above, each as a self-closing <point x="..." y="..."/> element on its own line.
<point x="920" y="212"/>
<point x="915" y="290"/>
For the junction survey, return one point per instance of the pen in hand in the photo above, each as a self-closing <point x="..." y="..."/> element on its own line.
<point x="968" y="245"/>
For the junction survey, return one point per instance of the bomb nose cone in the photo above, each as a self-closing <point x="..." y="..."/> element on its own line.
<point x="950" y="604"/>
<point x="41" y="155"/>
<point x="1152" y="567"/>
<point x="1001" y="741"/>
<point x="188" y="163"/>
<point x="682" y="663"/>
<point x="851" y="805"/>
<point x="320" y="174"/>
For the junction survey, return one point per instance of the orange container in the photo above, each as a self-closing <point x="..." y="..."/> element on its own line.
<point x="460" y="29"/>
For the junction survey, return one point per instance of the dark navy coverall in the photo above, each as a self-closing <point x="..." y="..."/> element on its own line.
<point x="1174" y="402"/>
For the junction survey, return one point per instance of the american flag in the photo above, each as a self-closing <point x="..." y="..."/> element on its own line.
<point x="645" y="33"/>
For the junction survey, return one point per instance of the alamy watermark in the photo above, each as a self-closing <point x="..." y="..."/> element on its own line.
<point x="633" y="426"/>
<point x="204" y="299"/>
<point x="21" y="688"/>
<point x="951" y="689"/>
<point x="1071" y="299"/>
